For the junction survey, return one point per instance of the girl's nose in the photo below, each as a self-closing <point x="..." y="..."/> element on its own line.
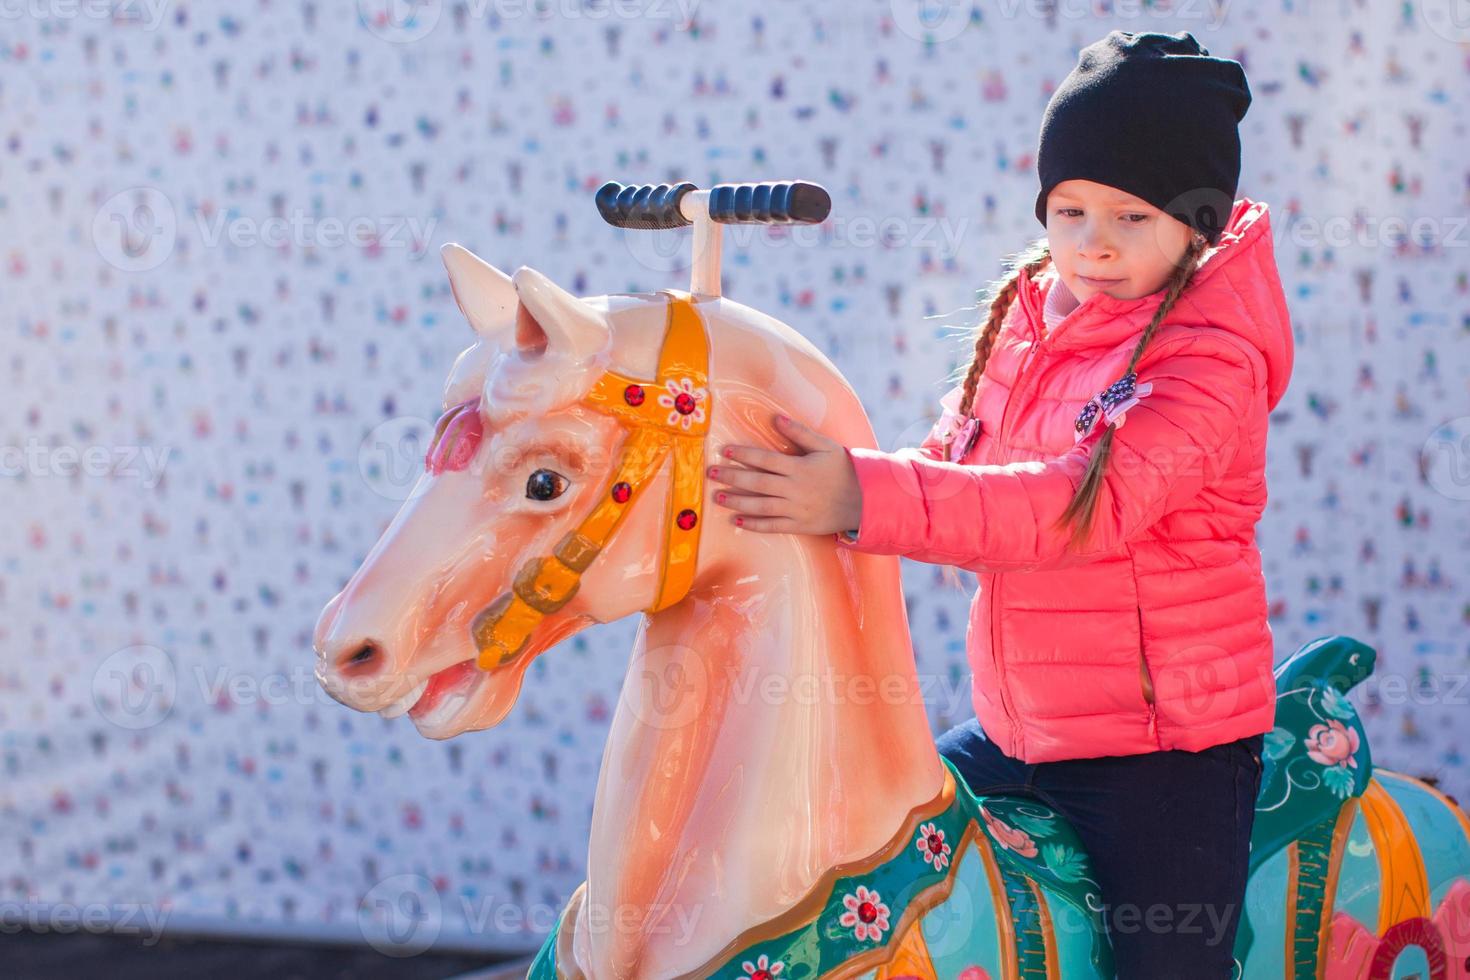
<point x="1095" y="245"/>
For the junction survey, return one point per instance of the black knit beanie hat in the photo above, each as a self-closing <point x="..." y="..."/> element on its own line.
<point x="1153" y="115"/>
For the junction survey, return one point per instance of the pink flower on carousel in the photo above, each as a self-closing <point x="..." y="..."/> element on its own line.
<point x="762" y="968"/>
<point x="684" y="401"/>
<point x="1332" y="744"/>
<point x="866" y="915"/>
<point x="1112" y="403"/>
<point x="1008" y="836"/>
<point x="974" y="973"/>
<point x="931" y="844"/>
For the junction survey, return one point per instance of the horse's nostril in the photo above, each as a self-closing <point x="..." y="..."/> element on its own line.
<point x="361" y="655"/>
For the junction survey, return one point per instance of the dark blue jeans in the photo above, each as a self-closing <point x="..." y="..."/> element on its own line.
<point x="1168" y="833"/>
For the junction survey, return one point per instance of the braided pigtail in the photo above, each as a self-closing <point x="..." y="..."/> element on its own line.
<point x="1082" y="506"/>
<point x="1032" y="259"/>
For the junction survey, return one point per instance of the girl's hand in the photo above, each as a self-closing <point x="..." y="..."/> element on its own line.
<point x="814" y="491"/>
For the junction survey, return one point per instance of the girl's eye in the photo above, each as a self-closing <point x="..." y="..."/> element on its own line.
<point x="545" y="484"/>
<point x="1132" y="219"/>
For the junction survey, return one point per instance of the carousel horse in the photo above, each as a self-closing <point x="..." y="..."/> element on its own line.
<point x="771" y="803"/>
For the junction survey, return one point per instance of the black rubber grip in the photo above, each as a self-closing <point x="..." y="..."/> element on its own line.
<point x="775" y="203"/>
<point x="642" y="205"/>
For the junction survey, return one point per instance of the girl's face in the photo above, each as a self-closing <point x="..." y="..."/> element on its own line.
<point x="1100" y="232"/>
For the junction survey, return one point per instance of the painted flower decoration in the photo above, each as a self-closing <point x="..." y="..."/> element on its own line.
<point x="866" y="915"/>
<point x="1008" y="836"/>
<point x="1113" y="402"/>
<point x="931" y="844"/>
<point x="1357" y="951"/>
<point x="1332" y="744"/>
<point x="763" y="968"/>
<point x="684" y="401"/>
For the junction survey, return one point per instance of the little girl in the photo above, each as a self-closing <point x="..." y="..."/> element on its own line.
<point x="1119" y="639"/>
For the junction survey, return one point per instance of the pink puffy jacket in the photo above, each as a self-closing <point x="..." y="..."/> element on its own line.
<point x="1156" y="637"/>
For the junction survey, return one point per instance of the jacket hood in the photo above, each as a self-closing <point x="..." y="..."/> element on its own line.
<point x="1237" y="288"/>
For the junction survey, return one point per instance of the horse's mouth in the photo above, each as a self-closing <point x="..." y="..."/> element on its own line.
<point x="440" y="705"/>
<point x="443" y="694"/>
<point x="432" y="695"/>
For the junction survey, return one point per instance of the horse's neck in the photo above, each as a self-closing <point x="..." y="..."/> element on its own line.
<point x="770" y="728"/>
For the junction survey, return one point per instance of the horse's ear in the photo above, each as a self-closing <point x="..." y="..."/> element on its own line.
<point x="485" y="295"/>
<point x="552" y="319"/>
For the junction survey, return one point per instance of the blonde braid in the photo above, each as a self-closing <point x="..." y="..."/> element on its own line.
<point x="1031" y="260"/>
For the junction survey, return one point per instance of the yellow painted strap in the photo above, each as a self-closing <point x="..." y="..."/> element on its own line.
<point x="502" y="638"/>
<point x="911" y="958"/>
<point x="1403" y="888"/>
<point x="656" y="430"/>
<point x="683" y="362"/>
<point x="502" y="633"/>
<point x="682" y="547"/>
<point x="683" y="368"/>
<point x="1048" y="931"/>
<point x="1341" y="830"/>
<point x="1010" y="968"/>
<point x="643" y="453"/>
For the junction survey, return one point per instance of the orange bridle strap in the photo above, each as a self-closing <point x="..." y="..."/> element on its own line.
<point x="668" y="416"/>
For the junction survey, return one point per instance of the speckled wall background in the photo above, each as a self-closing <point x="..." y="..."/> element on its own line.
<point x="227" y="326"/>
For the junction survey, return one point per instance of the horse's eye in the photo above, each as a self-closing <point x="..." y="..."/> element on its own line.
<point x="545" y="485"/>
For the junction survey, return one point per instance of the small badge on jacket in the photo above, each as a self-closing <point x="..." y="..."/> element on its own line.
<point x="962" y="441"/>
<point x="956" y="433"/>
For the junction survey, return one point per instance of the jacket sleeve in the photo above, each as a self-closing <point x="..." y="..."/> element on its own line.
<point x="1177" y="439"/>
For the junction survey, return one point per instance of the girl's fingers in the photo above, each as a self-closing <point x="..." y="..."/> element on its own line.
<point x="805" y="437"/>
<point x="750" y="503"/>
<point x="761" y="459"/>
<point x="746" y="479"/>
<point x="769" y="525"/>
